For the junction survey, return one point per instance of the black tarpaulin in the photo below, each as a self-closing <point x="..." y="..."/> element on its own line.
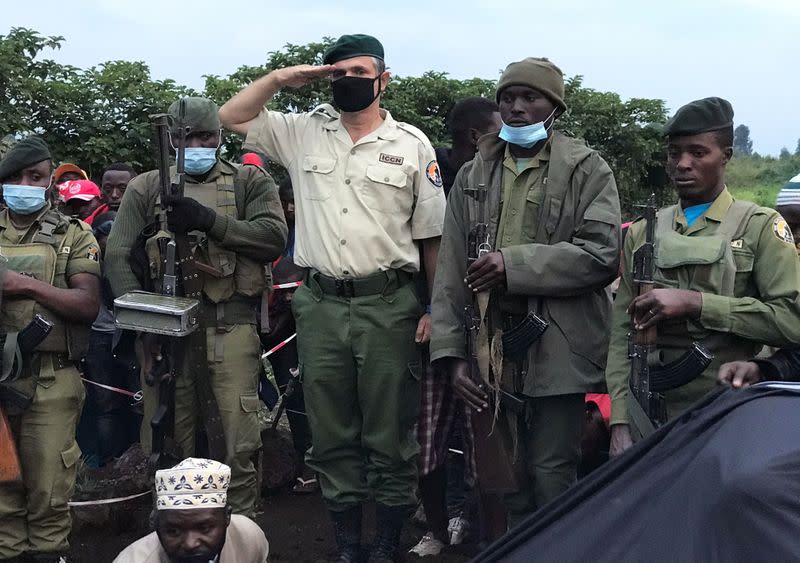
<point x="719" y="483"/>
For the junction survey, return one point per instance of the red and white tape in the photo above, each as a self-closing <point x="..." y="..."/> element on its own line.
<point x="287" y="285"/>
<point x="279" y="346"/>
<point x="137" y="396"/>
<point x="107" y="500"/>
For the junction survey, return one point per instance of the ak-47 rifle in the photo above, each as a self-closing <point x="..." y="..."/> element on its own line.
<point x="494" y="463"/>
<point x="642" y="343"/>
<point x="650" y="377"/>
<point x="15" y="348"/>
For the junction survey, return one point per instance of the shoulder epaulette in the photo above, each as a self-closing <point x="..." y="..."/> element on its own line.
<point x="325" y="111"/>
<point x="408" y="128"/>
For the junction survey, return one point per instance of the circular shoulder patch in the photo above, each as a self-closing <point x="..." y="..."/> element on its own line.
<point x="782" y="230"/>
<point x="434" y="174"/>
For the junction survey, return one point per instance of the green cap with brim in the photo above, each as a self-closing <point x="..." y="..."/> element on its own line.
<point x="22" y="154"/>
<point x="349" y="46"/>
<point x="201" y="114"/>
<point x="699" y="116"/>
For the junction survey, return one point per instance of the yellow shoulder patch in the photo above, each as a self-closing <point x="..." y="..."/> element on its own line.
<point x="781" y="229"/>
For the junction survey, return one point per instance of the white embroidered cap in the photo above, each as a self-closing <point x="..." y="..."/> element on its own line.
<point x="193" y="483"/>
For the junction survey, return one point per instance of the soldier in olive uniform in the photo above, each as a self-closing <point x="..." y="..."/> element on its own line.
<point x="368" y="190"/>
<point x="53" y="269"/>
<point x="553" y="216"/>
<point x="236" y="226"/>
<point x="727" y="273"/>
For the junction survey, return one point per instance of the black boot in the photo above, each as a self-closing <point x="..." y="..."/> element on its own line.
<point x="347" y="529"/>
<point x="390" y="520"/>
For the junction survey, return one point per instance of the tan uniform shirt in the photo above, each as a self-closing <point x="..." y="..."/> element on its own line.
<point x="360" y="206"/>
<point x="244" y="543"/>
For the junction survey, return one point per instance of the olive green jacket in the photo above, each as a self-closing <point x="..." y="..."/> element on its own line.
<point x="563" y="269"/>
<point x="763" y="308"/>
<point x="258" y="231"/>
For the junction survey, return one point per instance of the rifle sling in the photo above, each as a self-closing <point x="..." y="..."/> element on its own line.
<point x="197" y="355"/>
<point x="641" y="422"/>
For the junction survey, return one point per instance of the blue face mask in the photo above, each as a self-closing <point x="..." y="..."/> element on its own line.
<point x="526" y="136"/>
<point x="24" y="200"/>
<point x="199" y="160"/>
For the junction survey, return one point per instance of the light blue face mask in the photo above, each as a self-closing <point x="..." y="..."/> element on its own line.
<point x="199" y="160"/>
<point x="528" y="135"/>
<point x="24" y="200"/>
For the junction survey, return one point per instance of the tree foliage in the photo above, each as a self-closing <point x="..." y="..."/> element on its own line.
<point x="742" y="144"/>
<point x="90" y="117"/>
<point x="98" y="115"/>
<point x="626" y="135"/>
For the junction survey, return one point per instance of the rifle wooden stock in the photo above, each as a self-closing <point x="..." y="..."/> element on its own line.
<point x="493" y="458"/>
<point x="10" y="469"/>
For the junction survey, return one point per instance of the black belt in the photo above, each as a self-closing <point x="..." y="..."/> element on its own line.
<point x="360" y="287"/>
<point x="235" y="312"/>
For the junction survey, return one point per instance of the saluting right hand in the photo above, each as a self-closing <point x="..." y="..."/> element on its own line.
<point x="300" y="75"/>
<point x="465" y="387"/>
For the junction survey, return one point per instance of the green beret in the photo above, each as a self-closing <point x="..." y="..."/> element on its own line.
<point x="201" y="114"/>
<point x="349" y="46"/>
<point x="537" y="73"/>
<point x="22" y="154"/>
<point x="700" y="116"/>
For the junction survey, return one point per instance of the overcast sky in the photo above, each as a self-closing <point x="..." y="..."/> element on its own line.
<point x="743" y="50"/>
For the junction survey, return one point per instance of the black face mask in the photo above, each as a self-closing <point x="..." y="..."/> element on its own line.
<point x="354" y="93"/>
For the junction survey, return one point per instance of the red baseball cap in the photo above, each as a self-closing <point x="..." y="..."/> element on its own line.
<point x="85" y="190"/>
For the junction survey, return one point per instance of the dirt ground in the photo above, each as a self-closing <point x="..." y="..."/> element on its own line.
<point x="296" y="526"/>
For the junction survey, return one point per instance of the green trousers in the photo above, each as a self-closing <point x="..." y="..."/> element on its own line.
<point x="357" y="360"/>
<point x="34" y="514"/>
<point x="234" y="364"/>
<point x="550" y="450"/>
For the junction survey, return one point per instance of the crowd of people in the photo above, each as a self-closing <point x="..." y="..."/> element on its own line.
<point x="425" y="302"/>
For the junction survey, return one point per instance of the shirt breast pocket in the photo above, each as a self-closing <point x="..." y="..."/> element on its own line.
<point x="318" y="176"/>
<point x="532" y="212"/>
<point x="386" y="190"/>
<point x="744" y="259"/>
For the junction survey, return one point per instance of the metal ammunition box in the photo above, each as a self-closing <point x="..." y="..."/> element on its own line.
<point x="155" y="313"/>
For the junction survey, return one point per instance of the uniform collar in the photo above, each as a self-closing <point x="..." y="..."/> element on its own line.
<point x="533" y="161"/>
<point x="5" y="217"/>
<point x="387" y="130"/>
<point x="717" y="211"/>
<point x="221" y="167"/>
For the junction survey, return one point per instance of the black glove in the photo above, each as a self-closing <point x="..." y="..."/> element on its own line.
<point x="188" y="215"/>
